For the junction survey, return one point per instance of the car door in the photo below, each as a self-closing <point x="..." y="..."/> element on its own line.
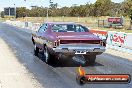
<point x="40" y="35"/>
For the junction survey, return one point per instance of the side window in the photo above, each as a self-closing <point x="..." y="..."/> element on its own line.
<point x="59" y="28"/>
<point x="80" y="28"/>
<point x="43" y="28"/>
<point x="55" y="28"/>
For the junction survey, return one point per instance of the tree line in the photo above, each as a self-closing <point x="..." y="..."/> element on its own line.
<point x="99" y="8"/>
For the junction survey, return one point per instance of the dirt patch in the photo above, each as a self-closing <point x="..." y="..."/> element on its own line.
<point x="119" y="54"/>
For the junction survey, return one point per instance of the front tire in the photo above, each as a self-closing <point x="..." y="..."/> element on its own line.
<point x="90" y="59"/>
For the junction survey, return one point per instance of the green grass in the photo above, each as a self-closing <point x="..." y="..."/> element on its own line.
<point x="87" y="21"/>
<point x="2" y="19"/>
<point x="118" y="30"/>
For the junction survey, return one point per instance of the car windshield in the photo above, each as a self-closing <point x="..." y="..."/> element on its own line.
<point x="69" y="28"/>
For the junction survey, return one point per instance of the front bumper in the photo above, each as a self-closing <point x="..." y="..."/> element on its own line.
<point x="79" y="49"/>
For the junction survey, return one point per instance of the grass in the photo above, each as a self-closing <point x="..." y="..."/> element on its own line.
<point x="2" y="19"/>
<point x="118" y="30"/>
<point x="60" y="19"/>
<point x="87" y="21"/>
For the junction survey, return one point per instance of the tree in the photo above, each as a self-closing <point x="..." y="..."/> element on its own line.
<point x="21" y="12"/>
<point x="89" y="9"/>
<point x="130" y="14"/>
<point x="116" y="9"/>
<point x="99" y="8"/>
<point x="2" y="14"/>
<point x="126" y="5"/>
<point x="102" y="7"/>
<point x="130" y="18"/>
<point x="75" y="11"/>
<point x="82" y="10"/>
<point x="65" y="11"/>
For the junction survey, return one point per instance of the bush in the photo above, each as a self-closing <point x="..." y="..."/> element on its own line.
<point x="131" y="14"/>
<point x="2" y="14"/>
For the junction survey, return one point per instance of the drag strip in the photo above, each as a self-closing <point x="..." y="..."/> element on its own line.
<point x="63" y="74"/>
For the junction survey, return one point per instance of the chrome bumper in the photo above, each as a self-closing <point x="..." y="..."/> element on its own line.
<point x="79" y="48"/>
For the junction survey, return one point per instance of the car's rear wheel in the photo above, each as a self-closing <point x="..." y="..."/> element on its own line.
<point x="47" y="55"/>
<point x="36" y="50"/>
<point x="49" y="58"/>
<point x="90" y="59"/>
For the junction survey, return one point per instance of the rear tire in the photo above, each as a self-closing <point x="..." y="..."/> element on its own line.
<point x="90" y="59"/>
<point x="36" y="50"/>
<point x="47" y="55"/>
<point x="49" y="58"/>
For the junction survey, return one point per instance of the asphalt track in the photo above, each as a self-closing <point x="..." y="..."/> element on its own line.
<point x="62" y="74"/>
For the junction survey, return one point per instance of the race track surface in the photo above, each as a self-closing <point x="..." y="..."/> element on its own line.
<point x="62" y="74"/>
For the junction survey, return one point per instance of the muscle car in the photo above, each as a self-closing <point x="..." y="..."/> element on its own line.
<point x="66" y="38"/>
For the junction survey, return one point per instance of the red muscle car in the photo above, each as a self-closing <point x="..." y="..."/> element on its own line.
<point x="66" y="38"/>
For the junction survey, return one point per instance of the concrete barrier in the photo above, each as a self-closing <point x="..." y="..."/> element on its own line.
<point x="116" y="40"/>
<point x="36" y="26"/>
<point x="26" y="25"/>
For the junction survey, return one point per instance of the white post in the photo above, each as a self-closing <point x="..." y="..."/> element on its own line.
<point x="63" y="18"/>
<point x="15" y="11"/>
<point x="78" y="19"/>
<point x="26" y="11"/>
<point x="9" y="11"/>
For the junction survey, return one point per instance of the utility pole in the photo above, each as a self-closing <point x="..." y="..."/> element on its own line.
<point x="47" y="15"/>
<point x="9" y="12"/>
<point x="50" y="2"/>
<point x="15" y="11"/>
<point x="25" y="11"/>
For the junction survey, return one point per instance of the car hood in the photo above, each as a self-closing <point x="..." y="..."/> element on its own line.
<point x="76" y="36"/>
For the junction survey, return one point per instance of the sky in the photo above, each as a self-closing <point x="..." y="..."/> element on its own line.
<point x="44" y="3"/>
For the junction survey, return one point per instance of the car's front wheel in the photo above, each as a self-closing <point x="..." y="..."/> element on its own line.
<point x="90" y="59"/>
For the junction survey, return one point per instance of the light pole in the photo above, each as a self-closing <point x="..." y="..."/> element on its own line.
<point x="50" y="2"/>
<point x="15" y="11"/>
<point x="9" y="12"/>
<point x="47" y="15"/>
<point x="25" y="11"/>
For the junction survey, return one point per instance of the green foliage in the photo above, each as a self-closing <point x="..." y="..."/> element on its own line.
<point x="131" y="14"/>
<point x="99" y="8"/>
<point x="2" y="14"/>
<point x="102" y="7"/>
<point x="21" y="12"/>
<point x="126" y="5"/>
